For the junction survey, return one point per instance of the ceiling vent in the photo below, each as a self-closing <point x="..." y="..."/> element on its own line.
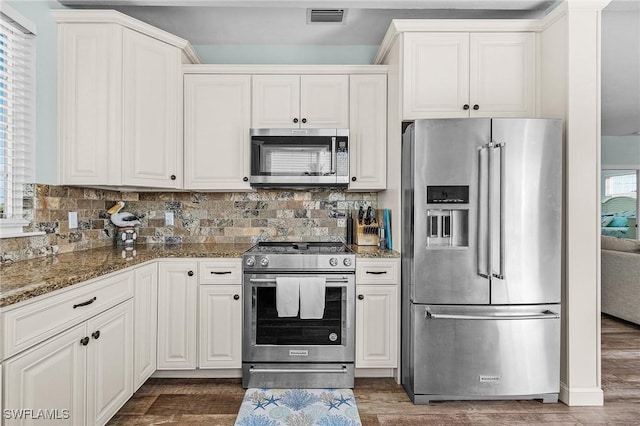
<point x="325" y="16"/>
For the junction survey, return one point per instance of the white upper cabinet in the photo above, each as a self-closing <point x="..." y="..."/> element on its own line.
<point x="89" y="104"/>
<point x="368" y="132"/>
<point x="436" y="75"/>
<point x="324" y="101"/>
<point x="119" y="101"/>
<point x="276" y="101"/>
<point x="217" y="111"/>
<point x="295" y="101"/>
<point x="468" y="75"/>
<point x="152" y="142"/>
<point x="502" y="81"/>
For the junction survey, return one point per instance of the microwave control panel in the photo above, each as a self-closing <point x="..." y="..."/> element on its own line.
<point x="342" y="159"/>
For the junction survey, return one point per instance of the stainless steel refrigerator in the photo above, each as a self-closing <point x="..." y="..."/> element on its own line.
<point x="481" y="259"/>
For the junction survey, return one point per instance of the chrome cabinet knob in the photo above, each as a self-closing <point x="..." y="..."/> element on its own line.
<point x="264" y="262"/>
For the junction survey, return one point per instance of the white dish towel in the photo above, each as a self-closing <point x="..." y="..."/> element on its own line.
<point x="287" y="296"/>
<point x="312" y="297"/>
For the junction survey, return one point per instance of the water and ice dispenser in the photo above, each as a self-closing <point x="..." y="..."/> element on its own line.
<point x="446" y="226"/>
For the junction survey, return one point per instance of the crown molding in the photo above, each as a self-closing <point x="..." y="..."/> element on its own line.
<point x="115" y="17"/>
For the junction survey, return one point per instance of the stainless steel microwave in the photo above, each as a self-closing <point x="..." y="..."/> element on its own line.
<point x="297" y="158"/>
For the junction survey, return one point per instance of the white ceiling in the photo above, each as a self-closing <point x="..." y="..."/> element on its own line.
<point x="283" y="22"/>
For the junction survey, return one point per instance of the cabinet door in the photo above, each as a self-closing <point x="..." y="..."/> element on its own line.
<point x="502" y="78"/>
<point x="368" y="132"/>
<point x="220" y="326"/>
<point x="377" y="326"/>
<point x="217" y="110"/>
<point x="49" y="376"/>
<point x="324" y="101"/>
<point x="109" y="362"/>
<point x="89" y="99"/>
<point x="152" y="105"/>
<point x="145" y="320"/>
<point x="177" y="306"/>
<point x="436" y="75"/>
<point x="275" y="101"/>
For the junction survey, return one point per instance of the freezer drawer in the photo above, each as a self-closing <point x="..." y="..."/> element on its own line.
<point x="469" y="351"/>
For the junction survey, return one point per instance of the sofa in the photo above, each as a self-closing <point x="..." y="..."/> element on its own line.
<point x="621" y="278"/>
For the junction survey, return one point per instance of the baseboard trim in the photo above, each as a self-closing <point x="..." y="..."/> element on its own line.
<point x="199" y="373"/>
<point x="375" y="372"/>
<point x="581" y="397"/>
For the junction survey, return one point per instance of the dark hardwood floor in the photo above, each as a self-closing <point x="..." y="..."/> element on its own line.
<point x="382" y="402"/>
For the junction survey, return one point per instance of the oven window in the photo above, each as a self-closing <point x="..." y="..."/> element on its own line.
<point x="273" y="330"/>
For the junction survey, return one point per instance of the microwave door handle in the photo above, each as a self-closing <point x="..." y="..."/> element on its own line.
<point x="333" y="155"/>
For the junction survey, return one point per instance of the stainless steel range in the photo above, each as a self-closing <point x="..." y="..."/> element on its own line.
<point x="299" y="317"/>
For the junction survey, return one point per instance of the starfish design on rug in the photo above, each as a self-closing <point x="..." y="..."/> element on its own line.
<point x="333" y="404"/>
<point x="259" y="404"/>
<point x="343" y="400"/>
<point x="272" y="400"/>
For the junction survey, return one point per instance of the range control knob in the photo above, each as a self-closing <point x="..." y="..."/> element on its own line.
<point x="250" y="261"/>
<point x="347" y="261"/>
<point x="264" y="262"/>
<point x="333" y="261"/>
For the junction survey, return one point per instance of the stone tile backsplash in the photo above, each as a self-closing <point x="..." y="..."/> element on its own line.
<point x="199" y="217"/>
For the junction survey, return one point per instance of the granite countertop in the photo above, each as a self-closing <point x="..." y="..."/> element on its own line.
<point x="23" y="280"/>
<point x="373" y="252"/>
<point x="29" y="278"/>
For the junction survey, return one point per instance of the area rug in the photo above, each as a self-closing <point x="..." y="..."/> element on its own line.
<point x="298" y="407"/>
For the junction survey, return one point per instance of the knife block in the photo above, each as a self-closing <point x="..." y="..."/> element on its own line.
<point x="367" y="235"/>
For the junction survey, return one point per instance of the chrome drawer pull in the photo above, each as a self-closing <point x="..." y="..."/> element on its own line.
<point x="88" y="302"/>
<point x="221" y="272"/>
<point x="376" y="272"/>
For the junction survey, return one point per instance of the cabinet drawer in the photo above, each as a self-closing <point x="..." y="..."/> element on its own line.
<point x="377" y="271"/>
<point x="220" y="271"/>
<point x="31" y="324"/>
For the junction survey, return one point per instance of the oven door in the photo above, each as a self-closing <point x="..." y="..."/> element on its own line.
<point x="269" y="338"/>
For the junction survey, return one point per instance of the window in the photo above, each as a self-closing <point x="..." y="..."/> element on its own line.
<point x="621" y="185"/>
<point x="17" y="117"/>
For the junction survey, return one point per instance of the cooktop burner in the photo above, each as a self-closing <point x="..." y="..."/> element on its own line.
<point x="297" y="247"/>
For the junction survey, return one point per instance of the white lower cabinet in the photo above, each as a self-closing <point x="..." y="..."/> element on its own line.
<point x="177" y="315"/>
<point x="377" y="313"/>
<point x="220" y="327"/>
<point x="145" y="324"/>
<point x="376" y="326"/>
<point x="80" y="376"/>
<point x="109" y="362"/>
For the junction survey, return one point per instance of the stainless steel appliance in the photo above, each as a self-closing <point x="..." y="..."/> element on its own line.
<point x="299" y="158"/>
<point x="481" y="259"/>
<point x="288" y="351"/>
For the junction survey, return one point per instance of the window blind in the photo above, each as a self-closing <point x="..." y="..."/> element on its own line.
<point x="17" y="115"/>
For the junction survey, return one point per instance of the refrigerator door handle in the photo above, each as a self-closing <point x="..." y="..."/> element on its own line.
<point x="482" y="230"/>
<point x="501" y="147"/>
<point x="547" y="314"/>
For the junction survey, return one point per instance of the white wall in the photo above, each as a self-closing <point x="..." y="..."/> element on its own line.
<point x="621" y="151"/>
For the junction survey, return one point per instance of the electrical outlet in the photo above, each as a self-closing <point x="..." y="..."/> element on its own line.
<point x="73" y="220"/>
<point x="168" y="218"/>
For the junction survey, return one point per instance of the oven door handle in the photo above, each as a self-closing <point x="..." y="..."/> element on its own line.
<point x="273" y="280"/>
<point x="298" y="370"/>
